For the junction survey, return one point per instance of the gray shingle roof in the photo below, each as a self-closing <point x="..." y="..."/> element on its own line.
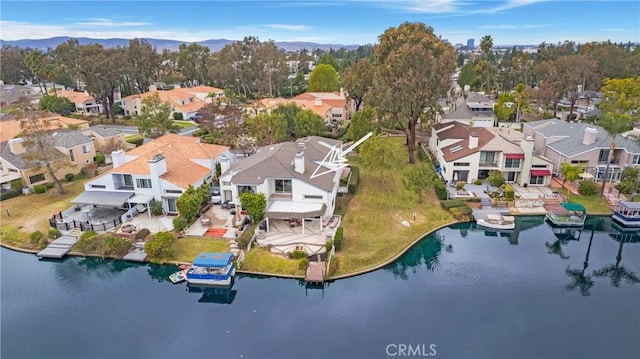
<point x="19" y="160"/>
<point x="70" y="139"/>
<point x="464" y="112"/>
<point x="571" y="144"/>
<point x="276" y="161"/>
<point x="104" y="131"/>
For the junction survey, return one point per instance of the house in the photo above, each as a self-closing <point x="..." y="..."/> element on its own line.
<point x="11" y="128"/>
<point x="338" y="110"/>
<point x="466" y="153"/>
<point x="476" y="110"/>
<point x="284" y="173"/>
<point x="85" y="103"/>
<point x="583" y="144"/>
<point x="160" y="170"/>
<point x="186" y="101"/>
<point x="10" y="94"/>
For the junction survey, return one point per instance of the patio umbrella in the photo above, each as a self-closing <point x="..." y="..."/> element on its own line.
<point x="586" y="175"/>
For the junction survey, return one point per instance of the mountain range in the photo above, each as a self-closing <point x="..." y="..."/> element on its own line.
<point x="161" y="44"/>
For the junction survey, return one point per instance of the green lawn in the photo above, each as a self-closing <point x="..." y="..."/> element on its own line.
<point x="184" y="124"/>
<point x="373" y="232"/>
<point x="187" y="248"/>
<point x="261" y="260"/>
<point x="593" y="204"/>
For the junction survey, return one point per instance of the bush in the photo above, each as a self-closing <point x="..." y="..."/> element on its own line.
<point x="298" y="254"/>
<point x="452" y="203"/>
<point x="160" y="248"/>
<point x="509" y="193"/>
<point x="245" y="237"/>
<point x="588" y="188"/>
<point x="461" y="213"/>
<point x="136" y="140"/>
<point x="337" y="240"/>
<point x="88" y="235"/>
<point x="625" y="187"/>
<point x="49" y="185"/>
<point x="177" y="116"/>
<point x="473" y="200"/>
<point x="156" y="208"/>
<point x="100" y="158"/>
<point x="477" y="182"/>
<point x="355" y="178"/>
<point x="69" y="177"/>
<point x="441" y="190"/>
<point x="460" y="185"/>
<point x="39" y="188"/>
<point x="9" y="194"/>
<point x="36" y="237"/>
<point x="496" y="178"/>
<point x="116" y="246"/>
<point x="54" y="233"/>
<point x="328" y="246"/>
<point x="142" y="234"/>
<point x="180" y="223"/>
<point x="303" y="263"/>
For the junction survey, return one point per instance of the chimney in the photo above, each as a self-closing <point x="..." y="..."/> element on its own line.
<point x="86" y="93"/>
<point x="157" y="166"/>
<point x="118" y="158"/>
<point x="224" y="164"/>
<point x="473" y="140"/>
<point x="16" y="145"/>
<point x="153" y="88"/>
<point x="317" y="102"/>
<point x="341" y="92"/>
<point x="298" y="162"/>
<point x="589" y="136"/>
<point x="527" y="147"/>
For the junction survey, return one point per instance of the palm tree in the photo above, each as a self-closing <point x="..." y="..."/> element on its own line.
<point x="521" y="99"/>
<point x="616" y="272"/>
<point x="580" y="280"/>
<point x="614" y="125"/>
<point x="486" y="43"/>
<point x="569" y="172"/>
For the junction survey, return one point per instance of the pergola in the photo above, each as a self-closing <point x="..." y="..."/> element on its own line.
<point x="290" y="209"/>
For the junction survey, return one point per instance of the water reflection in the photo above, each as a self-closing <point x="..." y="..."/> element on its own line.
<point x="580" y="280"/>
<point x="425" y="253"/>
<point x="617" y="272"/>
<point x="217" y="295"/>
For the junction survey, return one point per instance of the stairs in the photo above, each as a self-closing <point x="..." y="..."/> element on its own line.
<point x="486" y="201"/>
<point x="76" y="232"/>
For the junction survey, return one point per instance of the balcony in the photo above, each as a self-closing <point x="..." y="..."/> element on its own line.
<point x="488" y="164"/>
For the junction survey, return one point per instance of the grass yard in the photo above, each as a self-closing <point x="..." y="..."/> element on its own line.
<point x="372" y="229"/>
<point x="187" y="248"/>
<point x="31" y="212"/>
<point x="261" y="260"/>
<point x="184" y="124"/>
<point x="593" y="204"/>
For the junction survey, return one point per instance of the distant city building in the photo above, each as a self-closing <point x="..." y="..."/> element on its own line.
<point x="470" y="45"/>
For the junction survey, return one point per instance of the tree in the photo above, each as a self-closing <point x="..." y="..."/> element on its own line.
<point x="192" y="62"/>
<point x="267" y="128"/>
<point x="377" y="153"/>
<point x="246" y="145"/>
<point x="55" y="104"/>
<point x="159" y="249"/>
<point x="614" y="124"/>
<point x="324" y="78"/>
<point x="67" y="55"/>
<point x="155" y="117"/>
<point x="102" y="72"/>
<point x="486" y="43"/>
<point x="254" y="204"/>
<point x="569" y="172"/>
<point x="505" y="107"/>
<point x="413" y="72"/>
<point x="467" y="75"/>
<point x="14" y="68"/>
<point x="307" y="123"/>
<point x="520" y="95"/>
<point x="35" y="62"/>
<point x="290" y="112"/>
<point x="224" y="122"/>
<point x="40" y="147"/>
<point x="357" y="80"/>
<point x="417" y="179"/>
<point x="327" y="59"/>
<point x="362" y="123"/>
<point x="143" y="62"/>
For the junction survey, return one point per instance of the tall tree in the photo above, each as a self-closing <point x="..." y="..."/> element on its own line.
<point x="324" y="78"/>
<point x="377" y="153"/>
<point x="614" y="124"/>
<point x="67" y="55"/>
<point x="155" y="118"/>
<point x="40" y="147"/>
<point x="357" y="80"/>
<point x="192" y="62"/>
<point x="224" y="122"/>
<point x="569" y="172"/>
<point x="327" y="59"/>
<point x="362" y="123"/>
<point x="290" y="112"/>
<point x="102" y="72"/>
<point x="35" y="62"/>
<point x="267" y="128"/>
<point x="14" y="68"/>
<point x="486" y="43"/>
<point x="307" y="123"/>
<point x="467" y="75"/>
<point x="143" y="62"/>
<point x="414" y="69"/>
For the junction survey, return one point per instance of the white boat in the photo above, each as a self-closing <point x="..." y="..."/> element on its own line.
<point x="567" y="215"/>
<point x="627" y="214"/>
<point x="178" y="276"/>
<point x="212" y="269"/>
<point x="497" y="221"/>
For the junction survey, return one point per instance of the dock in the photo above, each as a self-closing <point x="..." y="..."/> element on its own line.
<point x="58" y="248"/>
<point x="315" y="272"/>
<point x="137" y="254"/>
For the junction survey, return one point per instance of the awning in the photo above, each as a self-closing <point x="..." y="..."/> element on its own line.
<point x="540" y="173"/>
<point x="102" y="198"/>
<point x="291" y="209"/>
<point x="514" y="156"/>
<point x="141" y="198"/>
<point x="216" y="260"/>
<point x="577" y="207"/>
<point x="586" y="175"/>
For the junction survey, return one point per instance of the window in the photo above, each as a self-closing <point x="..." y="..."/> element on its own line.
<point x="226" y="183"/>
<point x="539" y="166"/>
<point x="85" y="149"/>
<point x="584" y="163"/>
<point x="128" y="180"/>
<point x="248" y="189"/>
<point x="71" y="155"/>
<point x="143" y="183"/>
<point x="512" y="163"/>
<point x="172" y="191"/>
<point x="283" y="186"/>
<point x="536" y="180"/>
<point x="98" y="186"/>
<point x="460" y="164"/>
<point x="310" y="196"/>
<point x="510" y="176"/>
<point x="635" y="160"/>
<point x="487" y="158"/>
<point x="36" y="178"/>
<point x="604" y="156"/>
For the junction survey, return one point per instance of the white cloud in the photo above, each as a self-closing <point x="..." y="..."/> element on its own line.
<point x="288" y="27"/>
<point x="101" y="22"/>
<point x="454" y="7"/>
<point x="512" y="27"/>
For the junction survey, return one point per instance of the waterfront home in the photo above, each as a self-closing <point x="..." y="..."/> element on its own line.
<point x="582" y="144"/>
<point x="160" y="170"/>
<point x="466" y="153"/>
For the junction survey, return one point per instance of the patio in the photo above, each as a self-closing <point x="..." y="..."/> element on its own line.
<point x="283" y="238"/>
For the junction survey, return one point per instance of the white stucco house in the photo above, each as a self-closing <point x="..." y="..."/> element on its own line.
<point x="156" y="171"/>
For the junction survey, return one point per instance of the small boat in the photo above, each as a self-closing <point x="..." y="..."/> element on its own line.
<point x="184" y="266"/>
<point x="567" y="215"/>
<point x="178" y="276"/>
<point x="497" y="221"/>
<point x="627" y="214"/>
<point x="212" y="269"/>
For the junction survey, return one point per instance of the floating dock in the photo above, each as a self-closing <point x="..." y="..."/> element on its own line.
<point x="58" y="248"/>
<point x="315" y="272"/>
<point x="137" y="254"/>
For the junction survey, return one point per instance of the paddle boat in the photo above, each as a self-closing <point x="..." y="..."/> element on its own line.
<point x="627" y="214"/>
<point x="178" y="276"/>
<point x="497" y="221"/>
<point x="567" y="215"/>
<point x="211" y="269"/>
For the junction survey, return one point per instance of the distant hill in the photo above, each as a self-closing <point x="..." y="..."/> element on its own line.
<point x="161" y="44"/>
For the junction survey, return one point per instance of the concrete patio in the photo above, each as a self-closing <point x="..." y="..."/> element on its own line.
<point x="283" y="239"/>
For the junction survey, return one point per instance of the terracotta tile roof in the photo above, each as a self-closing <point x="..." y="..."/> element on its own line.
<point x="319" y="109"/>
<point x="207" y="89"/>
<point x="462" y="132"/>
<point x="332" y="98"/>
<point x="269" y="103"/>
<point x="191" y="106"/>
<point x="179" y="151"/>
<point x="11" y="128"/>
<point x="75" y="96"/>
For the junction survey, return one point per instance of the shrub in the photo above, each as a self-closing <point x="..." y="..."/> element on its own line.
<point x="9" y="194"/>
<point x="509" y="193"/>
<point x="54" y="233"/>
<point x="441" y="190"/>
<point x="477" y="182"/>
<point x="142" y="234"/>
<point x="452" y="203"/>
<point x="588" y="188"/>
<point x="337" y="240"/>
<point x="625" y="187"/>
<point x="88" y="234"/>
<point x="160" y="248"/>
<point x="461" y="213"/>
<point x="49" y="185"/>
<point x="298" y="254"/>
<point x="116" y="246"/>
<point x="69" y="177"/>
<point x="328" y="246"/>
<point x="39" y="188"/>
<point x="100" y="158"/>
<point x="136" y="140"/>
<point x="156" y="208"/>
<point x="355" y="178"/>
<point x="460" y="185"/>
<point x="496" y="178"/>
<point x="180" y="223"/>
<point x="473" y="200"/>
<point x="245" y="237"/>
<point x="303" y="263"/>
<point x="36" y="237"/>
<point x="177" y="116"/>
<point x="16" y="184"/>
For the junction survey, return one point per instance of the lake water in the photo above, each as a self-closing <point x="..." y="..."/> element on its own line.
<point x="460" y="293"/>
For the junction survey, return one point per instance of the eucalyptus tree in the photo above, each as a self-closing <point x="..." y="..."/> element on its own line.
<point x="192" y="62"/>
<point x="103" y="70"/>
<point x="357" y="80"/>
<point x="142" y="63"/>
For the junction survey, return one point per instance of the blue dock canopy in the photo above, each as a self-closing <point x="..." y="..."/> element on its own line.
<point x="216" y="260"/>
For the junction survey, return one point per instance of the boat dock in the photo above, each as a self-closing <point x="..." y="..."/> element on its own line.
<point x="315" y="272"/>
<point x="58" y="248"/>
<point x="137" y="254"/>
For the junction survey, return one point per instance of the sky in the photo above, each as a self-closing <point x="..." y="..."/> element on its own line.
<point x="508" y="22"/>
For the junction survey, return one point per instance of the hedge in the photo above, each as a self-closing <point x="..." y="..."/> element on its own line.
<point x="337" y="240"/>
<point x="441" y="190"/>
<point x="355" y="177"/>
<point x="39" y="188"/>
<point x="452" y="203"/>
<point x="9" y="194"/>
<point x="136" y="140"/>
